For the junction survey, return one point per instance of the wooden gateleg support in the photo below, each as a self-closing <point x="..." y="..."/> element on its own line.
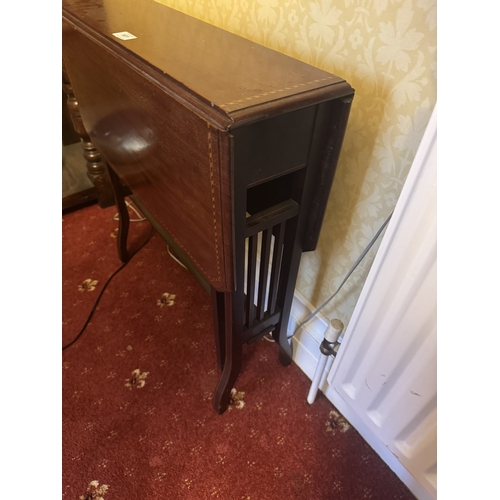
<point x="263" y="306"/>
<point x="280" y="271"/>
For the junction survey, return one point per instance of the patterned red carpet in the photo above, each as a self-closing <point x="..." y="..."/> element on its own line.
<point x="138" y="422"/>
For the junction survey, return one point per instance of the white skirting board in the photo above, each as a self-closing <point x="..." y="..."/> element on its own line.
<point x="306" y="341"/>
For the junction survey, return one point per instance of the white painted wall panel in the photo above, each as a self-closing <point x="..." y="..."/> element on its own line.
<point x="385" y="373"/>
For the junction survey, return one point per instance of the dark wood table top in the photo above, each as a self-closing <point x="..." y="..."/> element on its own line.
<point x="159" y="106"/>
<point x="226" y="78"/>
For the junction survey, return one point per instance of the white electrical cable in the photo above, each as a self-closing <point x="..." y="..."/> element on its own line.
<point x="129" y="205"/>
<point x="175" y="258"/>
<point x="355" y="265"/>
<point x="142" y="218"/>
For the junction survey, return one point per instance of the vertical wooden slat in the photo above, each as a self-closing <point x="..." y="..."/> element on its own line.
<point x="279" y="235"/>
<point x="264" y="272"/>
<point x="252" y="265"/>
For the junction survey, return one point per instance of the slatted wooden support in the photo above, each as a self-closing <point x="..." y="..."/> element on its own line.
<point x="261" y="313"/>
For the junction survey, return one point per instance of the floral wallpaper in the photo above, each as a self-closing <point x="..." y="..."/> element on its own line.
<point x="386" y="49"/>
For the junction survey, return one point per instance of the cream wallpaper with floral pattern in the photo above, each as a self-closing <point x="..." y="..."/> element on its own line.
<point x="386" y="49"/>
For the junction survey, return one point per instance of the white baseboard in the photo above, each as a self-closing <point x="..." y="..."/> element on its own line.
<point x="306" y="354"/>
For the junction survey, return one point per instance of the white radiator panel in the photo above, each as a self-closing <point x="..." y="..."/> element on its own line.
<point x="386" y="368"/>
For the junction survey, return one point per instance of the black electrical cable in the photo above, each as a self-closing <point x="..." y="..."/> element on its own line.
<point x="104" y="288"/>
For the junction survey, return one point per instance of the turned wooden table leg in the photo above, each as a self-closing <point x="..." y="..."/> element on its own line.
<point x="96" y="166"/>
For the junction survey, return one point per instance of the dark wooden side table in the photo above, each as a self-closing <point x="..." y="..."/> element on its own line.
<point x="229" y="149"/>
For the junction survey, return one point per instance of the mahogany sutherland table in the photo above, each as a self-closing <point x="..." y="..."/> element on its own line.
<point x="229" y="148"/>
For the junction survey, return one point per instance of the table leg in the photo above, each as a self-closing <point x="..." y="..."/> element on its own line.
<point x="219" y="326"/>
<point x="231" y="333"/>
<point x="124" y="223"/>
